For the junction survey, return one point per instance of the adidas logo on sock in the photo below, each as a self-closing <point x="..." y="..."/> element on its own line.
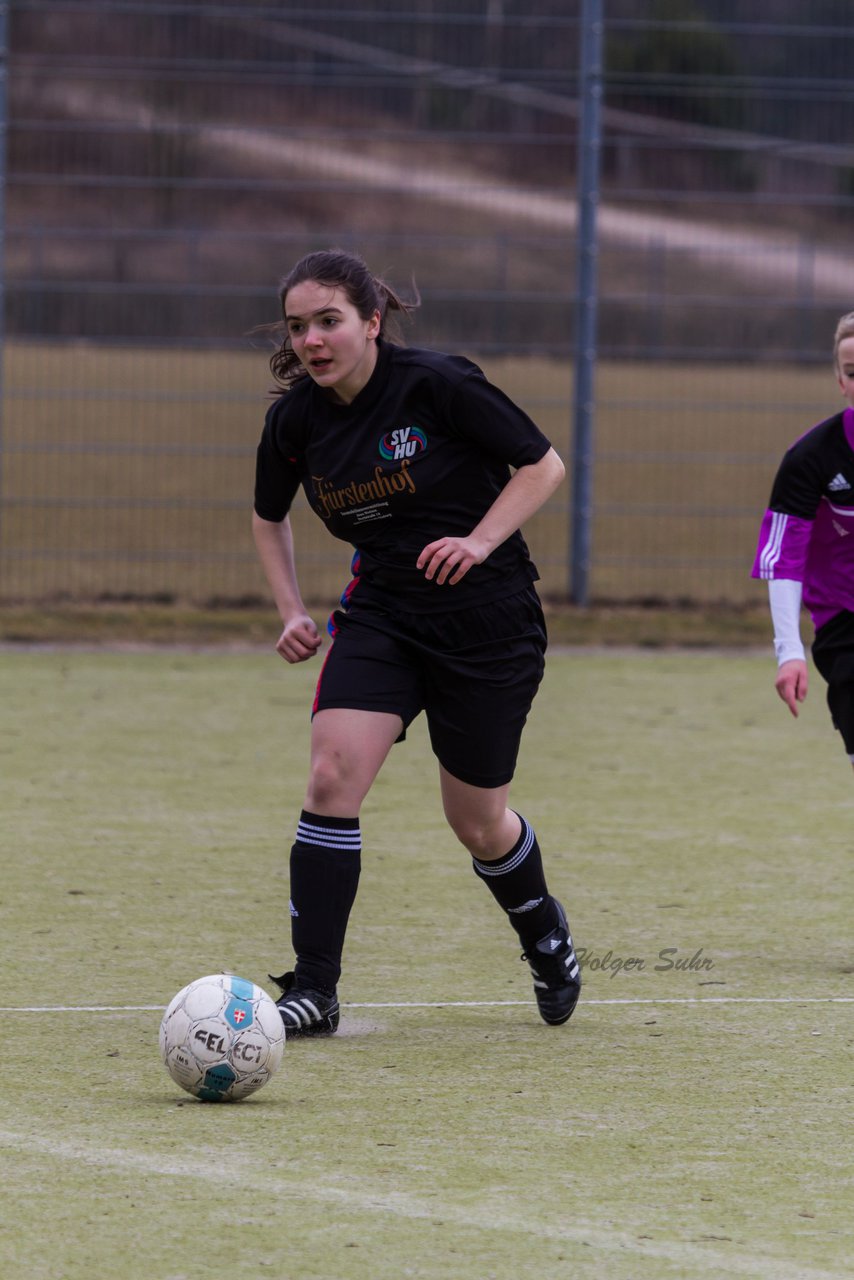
<point x="838" y="483"/>
<point x="526" y="906"/>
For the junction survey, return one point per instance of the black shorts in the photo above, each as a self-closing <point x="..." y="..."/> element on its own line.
<point x="833" y="655"/>
<point x="473" y="672"/>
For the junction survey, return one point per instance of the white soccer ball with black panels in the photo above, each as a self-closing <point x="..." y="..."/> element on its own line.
<point x="222" y="1038"/>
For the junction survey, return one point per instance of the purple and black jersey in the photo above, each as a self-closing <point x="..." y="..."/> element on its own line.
<point x="808" y="530"/>
<point x="421" y="453"/>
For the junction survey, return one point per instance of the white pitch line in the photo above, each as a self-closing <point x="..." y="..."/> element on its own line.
<point x="83" y="1008"/>
<point x="458" y="1004"/>
<point x="483" y="1004"/>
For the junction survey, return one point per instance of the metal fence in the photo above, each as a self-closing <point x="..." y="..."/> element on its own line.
<point x="165" y="163"/>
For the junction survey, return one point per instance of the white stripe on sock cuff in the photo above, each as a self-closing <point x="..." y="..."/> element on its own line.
<point x="490" y="869"/>
<point x="330" y="837"/>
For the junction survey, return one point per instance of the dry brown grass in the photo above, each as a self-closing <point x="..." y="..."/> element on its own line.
<point x="128" y="475"/>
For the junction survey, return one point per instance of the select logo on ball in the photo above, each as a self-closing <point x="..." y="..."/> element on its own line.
<point x="209" y="1042"/>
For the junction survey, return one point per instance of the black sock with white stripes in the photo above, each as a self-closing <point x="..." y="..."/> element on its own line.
<point x="517" y="884"/>
<point x="325" y="865"/>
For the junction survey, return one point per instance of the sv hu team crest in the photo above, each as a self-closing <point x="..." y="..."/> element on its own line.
<point x="403" y="442"/>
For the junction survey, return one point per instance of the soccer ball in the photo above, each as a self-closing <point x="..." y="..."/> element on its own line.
<point x="222" y="1038"/>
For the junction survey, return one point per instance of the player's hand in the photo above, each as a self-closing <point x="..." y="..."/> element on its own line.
<point x="792" y="683"/>
<point x="449" y="559"/>
<point x="300" y="640"/>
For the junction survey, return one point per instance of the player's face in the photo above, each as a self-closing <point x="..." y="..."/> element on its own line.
<point x="845" y="368"/>
<point x="329" y="337"/>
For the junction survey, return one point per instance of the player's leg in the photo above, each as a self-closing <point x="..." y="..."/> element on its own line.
<point x="506" y="856"/>
<point x="481" y="677"/>
<point x="348" y="748"/>
<point x="504" y="852"/>
<point x="366" y="695"/>
<point x="840" y="700"/>
<point x="482" y="674"/>
<point x="833" y="654"/>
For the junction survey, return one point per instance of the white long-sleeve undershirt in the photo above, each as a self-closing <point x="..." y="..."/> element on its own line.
<point x="784" y="595"/>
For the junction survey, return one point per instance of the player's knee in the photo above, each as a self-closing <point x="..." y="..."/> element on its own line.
<point x="330" y="782"/>
<point x="478" y="835"/>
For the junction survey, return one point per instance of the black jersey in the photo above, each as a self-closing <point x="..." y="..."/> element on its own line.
<point x="421" y="453"/>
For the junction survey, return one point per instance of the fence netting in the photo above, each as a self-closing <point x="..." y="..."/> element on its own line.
<point x="167" y="162"/>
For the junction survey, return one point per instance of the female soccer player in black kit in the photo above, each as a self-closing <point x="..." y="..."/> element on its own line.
<point x="406" y="455"/>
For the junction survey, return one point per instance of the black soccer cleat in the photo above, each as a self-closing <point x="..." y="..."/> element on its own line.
<point x="557" y="976"/>
<point x="305" y="1010"/>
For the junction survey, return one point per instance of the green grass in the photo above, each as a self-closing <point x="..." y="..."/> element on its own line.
<point x="687" y="1123"/>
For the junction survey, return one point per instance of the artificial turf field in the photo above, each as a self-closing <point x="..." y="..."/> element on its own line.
<point x="691" y="1119"/>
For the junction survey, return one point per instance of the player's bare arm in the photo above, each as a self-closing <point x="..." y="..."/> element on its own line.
<point x="300" y="638"/>
<point x="449" y="559"/>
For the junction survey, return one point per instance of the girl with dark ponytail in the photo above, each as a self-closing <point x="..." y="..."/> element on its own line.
<point x="428" y="471"/>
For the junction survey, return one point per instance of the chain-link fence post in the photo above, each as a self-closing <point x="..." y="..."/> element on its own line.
<point x="589" y="146"/>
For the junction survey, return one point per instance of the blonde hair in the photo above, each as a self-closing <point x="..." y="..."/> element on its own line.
<point x="844" y="329"/>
